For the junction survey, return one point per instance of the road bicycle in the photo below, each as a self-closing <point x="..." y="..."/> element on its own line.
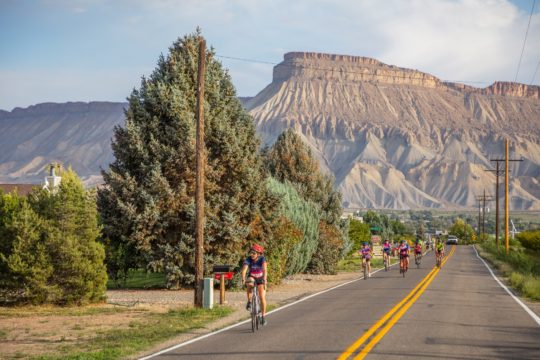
<point x="418" y="259"/>
<point x="256" y="315"/>
<point x="365" y="266"/>
<point x="402" y="265"/>
<point x="438" y="259"/>
<point x="386" y="258"/>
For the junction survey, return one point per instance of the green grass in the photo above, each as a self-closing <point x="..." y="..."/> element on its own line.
<point x="3" y="334"/>
<point x="139" y="279"/>
<point x="26" y="311"/>
<point x="520" y="266"/>
<point x="141" y="335"/>
<point x="354" y="263"/>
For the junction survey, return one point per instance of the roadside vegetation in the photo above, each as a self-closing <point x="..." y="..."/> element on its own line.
<point x="521" y="266"/>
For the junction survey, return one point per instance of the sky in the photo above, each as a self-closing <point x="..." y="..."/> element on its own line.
<point x="98" y="50"/>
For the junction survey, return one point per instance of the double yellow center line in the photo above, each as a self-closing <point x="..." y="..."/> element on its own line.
<point x="391" y="317"/>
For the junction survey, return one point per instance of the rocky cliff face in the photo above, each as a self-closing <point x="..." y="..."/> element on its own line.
<point x="392" y="137"/>
<point x="77" y="134"/>
<point x="400" y="138"/>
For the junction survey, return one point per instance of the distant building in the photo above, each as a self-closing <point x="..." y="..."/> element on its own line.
<point x="352" y="216"/>
<point x="51" y="184"/>
<point x="52" y="181"/>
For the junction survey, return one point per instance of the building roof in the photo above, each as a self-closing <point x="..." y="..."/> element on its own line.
<point x="22" y="189"/>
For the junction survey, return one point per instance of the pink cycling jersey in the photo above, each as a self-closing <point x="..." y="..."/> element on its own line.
<point x="366" y="253"/>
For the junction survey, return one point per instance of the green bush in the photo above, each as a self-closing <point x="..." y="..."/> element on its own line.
<point x="530" y="239"/>
<point x="328" y="253"/>
<point x="527" y="285"/>
<point x="49" y="252"/>
<point x="286" y="237"/>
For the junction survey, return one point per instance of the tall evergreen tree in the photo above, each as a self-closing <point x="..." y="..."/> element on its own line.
<point x="147" y="204"/>
<point x="290" y="159"/>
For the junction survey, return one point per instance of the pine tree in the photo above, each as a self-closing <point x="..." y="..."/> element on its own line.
<point x="147" y="204"/>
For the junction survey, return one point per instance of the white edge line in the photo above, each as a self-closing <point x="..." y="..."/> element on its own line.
<point x="248" y="320"/>
<point x="525" y="307"/>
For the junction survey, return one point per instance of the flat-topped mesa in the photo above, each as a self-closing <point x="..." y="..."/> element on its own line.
<point x="318" y="66"/>
<point x="513" y="89"/>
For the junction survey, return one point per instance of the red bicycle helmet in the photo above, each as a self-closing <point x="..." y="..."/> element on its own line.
<point x="258" y="248"/>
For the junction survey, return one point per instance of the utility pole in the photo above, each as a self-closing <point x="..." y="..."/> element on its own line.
<point x="506" y="208"/>
<point x="479" y="217"/>
<point x="199" y="185"/>
<point x="506" y="171"/>
<point x="482" y="200"/>
<point x="497" y="186"/>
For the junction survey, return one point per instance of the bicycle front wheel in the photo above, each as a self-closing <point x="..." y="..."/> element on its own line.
<point x="254" y="312"/>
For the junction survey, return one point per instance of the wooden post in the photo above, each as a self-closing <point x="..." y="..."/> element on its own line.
<point x="199" y="186"/>
<point x="506" y="240"/>
<point x="222" y="289"/>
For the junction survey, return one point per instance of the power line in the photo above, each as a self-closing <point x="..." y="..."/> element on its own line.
<point x="246" y="60"/>
<point x="346" y="71"/>
<point x="525" y="40"/>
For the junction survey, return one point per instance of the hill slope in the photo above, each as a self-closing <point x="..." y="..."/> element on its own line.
<point x="400" y="138"/>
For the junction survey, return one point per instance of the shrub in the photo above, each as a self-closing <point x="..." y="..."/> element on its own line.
<point x="49" y="248"/>
<point x="530" y="239"/>
<point x="326" y="257"/>
<point x="286" y="237"/>
<point x="304" y="215"/>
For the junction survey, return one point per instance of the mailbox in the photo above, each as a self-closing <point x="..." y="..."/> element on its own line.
<point x="226" y="276"/>
<point x="222" y="272"/>
<point x="222" y="268"/>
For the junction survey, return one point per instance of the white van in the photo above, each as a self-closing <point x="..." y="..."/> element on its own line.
<point x="452" y="240"/>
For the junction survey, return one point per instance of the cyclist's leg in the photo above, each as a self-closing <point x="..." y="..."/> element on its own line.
<point x="368" y="262"/>
<point x="407" y="261"/>
<point x="262" y="296"/>
<point x="250" y="284"/>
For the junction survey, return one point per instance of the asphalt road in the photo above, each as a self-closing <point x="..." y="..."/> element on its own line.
<point x="462" y="314"/>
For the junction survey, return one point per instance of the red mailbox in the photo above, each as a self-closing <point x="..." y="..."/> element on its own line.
<point x="226" y="276"/>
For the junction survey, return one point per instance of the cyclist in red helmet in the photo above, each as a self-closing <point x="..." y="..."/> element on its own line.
<point x="256" y="263"/>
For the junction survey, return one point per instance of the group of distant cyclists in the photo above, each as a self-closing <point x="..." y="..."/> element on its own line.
<point x="403" y="250"/>
<point x="254" y="270"/>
